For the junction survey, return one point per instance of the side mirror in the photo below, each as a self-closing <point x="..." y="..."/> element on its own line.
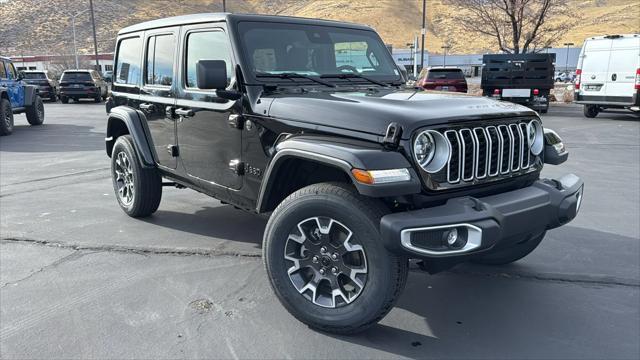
<point x="211" y="74"/>
<point x="20" y="75"/>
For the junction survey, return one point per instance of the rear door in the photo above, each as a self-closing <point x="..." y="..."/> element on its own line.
<point x="157" y="95"/>
<point x="14" y="87"/>
<point x="621" y="73"/>
<point x="595" y="63"/>
<point x="209" y="147"/>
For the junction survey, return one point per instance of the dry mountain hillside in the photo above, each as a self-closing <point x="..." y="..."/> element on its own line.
<point x="44" y="26"/>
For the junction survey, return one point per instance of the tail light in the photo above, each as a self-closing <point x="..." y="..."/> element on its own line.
<point x="536" y="92"/>
<point x="496" y="92"/>
<point x="637" y="79"/>
<point x="579" y="76"/>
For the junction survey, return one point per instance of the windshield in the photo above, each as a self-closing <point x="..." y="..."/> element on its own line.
<point x="30" y="76"/>
<point x="279" y="48"/>
<point x="76" y="76"/>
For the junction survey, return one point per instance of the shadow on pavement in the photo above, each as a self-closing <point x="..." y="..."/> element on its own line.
<point x="52" y="138"/>
<point x="221" y="222"/>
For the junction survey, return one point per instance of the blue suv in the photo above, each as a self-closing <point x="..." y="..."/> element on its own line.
<point x="17" y="97"/>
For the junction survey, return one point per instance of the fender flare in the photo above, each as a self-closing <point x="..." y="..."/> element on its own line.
<point x="135" y="121"/>
<point x="344" y="156"/>
<point x="30" y="93"/>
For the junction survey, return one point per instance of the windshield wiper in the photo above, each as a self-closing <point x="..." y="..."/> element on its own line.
<point x="354" y="76"/>
<point x="292" y="76"/>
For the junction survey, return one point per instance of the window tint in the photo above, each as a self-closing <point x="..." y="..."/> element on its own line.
<point x="438" y="74"/>
<point x="159" y="63"/>
<point x="206" y="45"/>
<point x="128" y="66"/>
<point x="35" y="75"/>
<point x="12" y="71"/>
<point x="76" y="76"/>
<point x="3" y="72"/>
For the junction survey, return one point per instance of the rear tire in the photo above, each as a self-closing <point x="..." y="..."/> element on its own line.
<point x="590" y="111"/>
<point x="138" y="190"/>
<point x="35" y="112"/>
<point x="6" y="117"/>
<point x="64" y="99"/>
<point x="332" y="301"/>
<point x="512" y="254"/>
<point x="53" y="98"/>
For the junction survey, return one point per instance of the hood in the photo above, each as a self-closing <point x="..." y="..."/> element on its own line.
<point x="372" y="112"/>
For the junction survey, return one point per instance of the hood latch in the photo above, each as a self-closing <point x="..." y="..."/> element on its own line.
<point x="392" y="136"/>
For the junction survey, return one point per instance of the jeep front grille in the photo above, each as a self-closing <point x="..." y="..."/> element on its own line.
<point x="483" y="154"/>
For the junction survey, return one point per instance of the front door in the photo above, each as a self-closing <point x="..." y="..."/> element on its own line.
<point x="157" y="95"/>
<point x="209" y="146"/>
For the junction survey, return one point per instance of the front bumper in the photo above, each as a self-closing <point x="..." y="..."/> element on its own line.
<point x="490" y="223"/>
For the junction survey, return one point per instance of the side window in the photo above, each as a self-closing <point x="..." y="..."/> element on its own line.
<point x="206" y="45"/>
<point x="127" y="63"/>
<point x="159" y="60"/>
<point x="3" y="72"/>
<point x="12" y="71"/>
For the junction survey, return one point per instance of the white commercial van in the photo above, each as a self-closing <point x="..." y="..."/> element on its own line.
<point x="608" y="74"/>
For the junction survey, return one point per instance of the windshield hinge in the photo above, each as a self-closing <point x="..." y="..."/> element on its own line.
<point x="392" y="136"/>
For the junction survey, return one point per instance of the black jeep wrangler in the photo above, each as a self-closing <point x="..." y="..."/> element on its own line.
<point x="309" y="122"/>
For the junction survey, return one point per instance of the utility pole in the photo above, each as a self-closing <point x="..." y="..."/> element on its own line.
<point x="95" y="40"/>
<point x="423" y="31"/>
<point x="566" y="62"/>
<point x="224" y="5"/>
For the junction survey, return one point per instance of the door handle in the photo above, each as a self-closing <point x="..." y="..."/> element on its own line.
<point x="147" y="107"/>
<point x="184" y="112"/>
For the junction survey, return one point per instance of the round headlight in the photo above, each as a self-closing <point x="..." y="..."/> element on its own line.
<point x="431" y="151"/>
<point x="535" y="137"/>
<point x="424" y="148"/>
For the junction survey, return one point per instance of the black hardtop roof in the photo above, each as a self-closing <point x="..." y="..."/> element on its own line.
<point x="215" y="17"/>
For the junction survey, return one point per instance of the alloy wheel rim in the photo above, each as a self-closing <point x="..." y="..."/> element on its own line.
<point x="327" y="266"/>
<point x="124" y="178"/>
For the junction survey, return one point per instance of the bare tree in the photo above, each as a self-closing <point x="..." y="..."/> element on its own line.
<point x="517" y="26"/>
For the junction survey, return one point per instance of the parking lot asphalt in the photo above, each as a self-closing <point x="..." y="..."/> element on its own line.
<point x="80" y="279"/>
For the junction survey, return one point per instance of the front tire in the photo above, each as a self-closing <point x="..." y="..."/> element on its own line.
<point x="590" y="111"/>
<point x="6" y="117"/>
<point x="138" y="189"/>
<point x="35" y="112"/>
<point x="512" y="254"/>
<point x="325" y="260"/>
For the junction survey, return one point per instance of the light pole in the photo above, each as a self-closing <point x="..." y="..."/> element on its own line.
<point x="444" y="61"/>
<point x="410" y="46"/>
<point x="423" y="31"/>
<point x="546" y="48"/>
<point x="73" y="22"/>
<point x="566" y="62"/>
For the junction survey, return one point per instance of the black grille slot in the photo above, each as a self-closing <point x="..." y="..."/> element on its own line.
<point x="482" y="149"/>
<point x="468" y="150"/>
<point x="432" y="240"/>
<point x="453" y="168"/>
<point x="526" y="158"/>
<point x="517" y="144"/>
<point x="506" y="148"/>
<point x="495" y="148"/>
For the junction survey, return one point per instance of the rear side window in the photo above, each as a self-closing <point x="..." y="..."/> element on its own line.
<point x="35" y="76"/>
<point x="159" y="60"/>
<point x="128" y="61"/>
<point x="76" y="76"/>
<point x="435" y="74"/>
<point x="3" y="72"/>
<point x="206" y="45"/>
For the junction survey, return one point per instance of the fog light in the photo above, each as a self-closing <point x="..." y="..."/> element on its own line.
<point x="452" y="237"/>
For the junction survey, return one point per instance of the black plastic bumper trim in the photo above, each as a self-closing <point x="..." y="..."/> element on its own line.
<point x="504" y="218"/>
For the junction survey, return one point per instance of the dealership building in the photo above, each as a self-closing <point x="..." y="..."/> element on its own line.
<point x="63" y="62"/>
